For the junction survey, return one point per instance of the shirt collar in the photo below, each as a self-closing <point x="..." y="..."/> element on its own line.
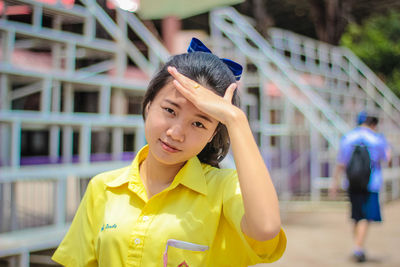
<point x="190" y="175"/>
<point x="132" y="173"/>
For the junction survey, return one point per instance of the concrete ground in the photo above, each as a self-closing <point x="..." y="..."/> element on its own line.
<point x="321" y="235"/>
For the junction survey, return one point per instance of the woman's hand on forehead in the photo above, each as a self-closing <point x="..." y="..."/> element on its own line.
<point x="220" y="108"/>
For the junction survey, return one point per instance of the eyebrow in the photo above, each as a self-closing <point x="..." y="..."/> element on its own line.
<point x="178" y="106"/>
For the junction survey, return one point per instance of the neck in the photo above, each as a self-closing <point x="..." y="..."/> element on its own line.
<point x="369" y="127"/>
<point x="157" y="176"/>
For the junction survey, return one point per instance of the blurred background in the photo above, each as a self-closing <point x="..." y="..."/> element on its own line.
<point x="73" y="74"/>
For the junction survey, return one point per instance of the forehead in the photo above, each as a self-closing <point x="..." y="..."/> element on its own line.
<point x="169" y="93"/>
<point x="168" y="90"/>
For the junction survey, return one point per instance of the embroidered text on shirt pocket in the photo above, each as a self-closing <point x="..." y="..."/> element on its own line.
<point x="182" y="253"/>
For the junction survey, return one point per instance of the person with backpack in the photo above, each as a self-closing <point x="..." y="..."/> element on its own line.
<point x="360" y="153"/>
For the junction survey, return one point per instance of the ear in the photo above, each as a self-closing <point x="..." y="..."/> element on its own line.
<point x="146" y="110"/>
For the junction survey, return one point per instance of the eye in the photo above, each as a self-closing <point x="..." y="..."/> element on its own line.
<point x="169" y="110"/>
<point x="198" y="124"/>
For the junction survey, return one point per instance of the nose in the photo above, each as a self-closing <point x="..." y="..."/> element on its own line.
<point x="176" y="132"/>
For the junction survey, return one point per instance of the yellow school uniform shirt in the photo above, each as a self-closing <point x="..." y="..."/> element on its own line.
<point x="116" y="225"/>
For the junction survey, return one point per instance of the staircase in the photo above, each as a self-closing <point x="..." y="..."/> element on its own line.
<point x="301" y="96"/>
<point x="345" y="82"/>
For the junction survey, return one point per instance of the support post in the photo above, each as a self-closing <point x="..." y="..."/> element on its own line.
<point x="4" y="92"/>
<point x="68" y="98"/>
<point x="4" y="128"/>
<point x="89" y="29"/>
<point x="105" y="100"/>
<point x="45" y="100"/>
<point x="56" y="97"/>
<point x="60" y="206"/>
<point x="15" y="144"/>
<point x="56" y="48"/>
<point x="71" y="56"/>
<point x="67" y="144"/>
<point x="315" y="166"/>
<point x="84" y="144"/>
<point x="117" y="143"/>
<point x="121" y="57"/>
<point x="8" y="45"/>
<point x="24" y="259"/>
<point x="54" y="143"/>
<point x="37" y="17"/>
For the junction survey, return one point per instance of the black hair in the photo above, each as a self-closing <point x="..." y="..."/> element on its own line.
<point x="209" y="71"/>
<point x="371" y="121"/>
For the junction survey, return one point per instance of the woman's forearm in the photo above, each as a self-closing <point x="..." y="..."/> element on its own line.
<point x="261" y="220"/>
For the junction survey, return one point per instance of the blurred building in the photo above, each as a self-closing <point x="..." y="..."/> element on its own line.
<point x="72" y="76"/>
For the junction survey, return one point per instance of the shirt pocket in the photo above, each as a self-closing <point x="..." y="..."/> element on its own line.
<point x="180" y="253"/>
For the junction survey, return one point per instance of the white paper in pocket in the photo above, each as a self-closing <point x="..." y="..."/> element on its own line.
<point x="181" y="245"/>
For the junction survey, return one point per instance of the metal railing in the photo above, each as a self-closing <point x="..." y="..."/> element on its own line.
<point x="275" y="68"/>
<point x="344" y="80"/>
<point x="69" y="65"/>
<point x="312" y="78"/>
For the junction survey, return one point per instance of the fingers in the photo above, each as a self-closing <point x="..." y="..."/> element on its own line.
<point x="184" y="84"/>
<point x="230" y="91"/>
<point x="182" y="79"/>
<point x="205" y="99"/>
<point x="183" y="90"/>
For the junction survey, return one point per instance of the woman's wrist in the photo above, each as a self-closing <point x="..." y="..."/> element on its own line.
<point x="234" y="118"/>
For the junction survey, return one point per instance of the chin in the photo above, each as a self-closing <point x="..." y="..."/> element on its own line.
<point x="167" y="159"/>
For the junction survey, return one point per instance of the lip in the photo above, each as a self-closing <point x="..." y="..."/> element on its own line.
<point x="169" y="148"/>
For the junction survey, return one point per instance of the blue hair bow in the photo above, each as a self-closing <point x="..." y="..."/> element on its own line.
<point x="197" y="46"/>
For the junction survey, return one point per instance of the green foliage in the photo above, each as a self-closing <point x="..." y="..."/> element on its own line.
<point x="377" y="43"/>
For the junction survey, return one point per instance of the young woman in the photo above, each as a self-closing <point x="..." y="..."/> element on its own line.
<point x="173" y="206"/>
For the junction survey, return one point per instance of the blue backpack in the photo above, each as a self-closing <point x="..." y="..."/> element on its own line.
<point x="358" y="170"/>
